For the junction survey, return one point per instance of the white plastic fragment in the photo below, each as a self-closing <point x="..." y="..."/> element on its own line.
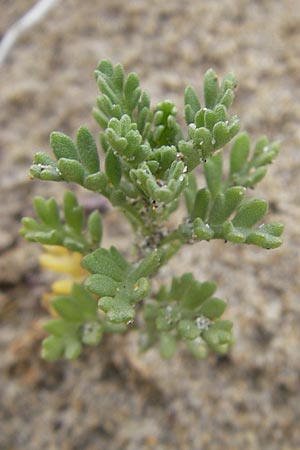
<point x="33" y="15"/>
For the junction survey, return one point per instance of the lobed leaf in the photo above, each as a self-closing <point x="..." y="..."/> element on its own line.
<point x="101" y="262"/>
<point x="192" y="104"/>
<point x="117" y="310"/>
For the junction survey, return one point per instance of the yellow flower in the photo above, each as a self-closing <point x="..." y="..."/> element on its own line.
<point x="61" y="260"/>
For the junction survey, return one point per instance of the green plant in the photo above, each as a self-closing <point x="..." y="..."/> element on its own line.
<point x="149" y="164"/>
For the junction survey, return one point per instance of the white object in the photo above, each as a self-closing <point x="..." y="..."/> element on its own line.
<point x="33" y="15"/>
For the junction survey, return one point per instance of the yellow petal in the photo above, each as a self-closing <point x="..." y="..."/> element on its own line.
<point x="56" y="249"/>
<point x="69" y="263"/>
<point x="62" y="287"/>
<point x="46" y="302"/>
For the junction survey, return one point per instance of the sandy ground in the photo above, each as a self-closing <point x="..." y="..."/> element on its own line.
<point x="112" y="398"/>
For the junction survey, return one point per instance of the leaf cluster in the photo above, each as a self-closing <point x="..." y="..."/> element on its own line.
<point x="69" y="232"/>
<point x="149" y="163"/>
<point x="119" y="284"/>
<point x="79" y="324"/>
<point x="189" y="312"/>
<point x="221" y="210"/>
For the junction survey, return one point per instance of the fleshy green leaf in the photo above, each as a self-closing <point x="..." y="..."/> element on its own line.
<point x="101" y="262"/>
<point x="118" y="311"/>
<point x="63" y="146"/>
<point x="239" y="153"/>
<point x="167" y="345"/>
<point x="188" y="329"/>
<point x="95" y="227"/>
<point x="148" y="266"/>
<point x="73" y="212"/>
<point x="217" y="336"/>
<point x="92" y="333"/>
<point x="201" y="230"/>
<point x="96" y="182"/>
<point x="192" y="104"/>
<point x="67" y="308"/>
<point x="52" y="348"/>
<point x="213" y="308"/>
<point x="71" y="170"/>
<point x="102" y="285"/>
<point x="48" y="211"/>
<point x="87" y="150"/>
<point x="201" y="204"/>
<point x="113" y="168"/>
<point x="250" y="212"/>
<point x="213" y="173"/>
<point x="211" y="89"/>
